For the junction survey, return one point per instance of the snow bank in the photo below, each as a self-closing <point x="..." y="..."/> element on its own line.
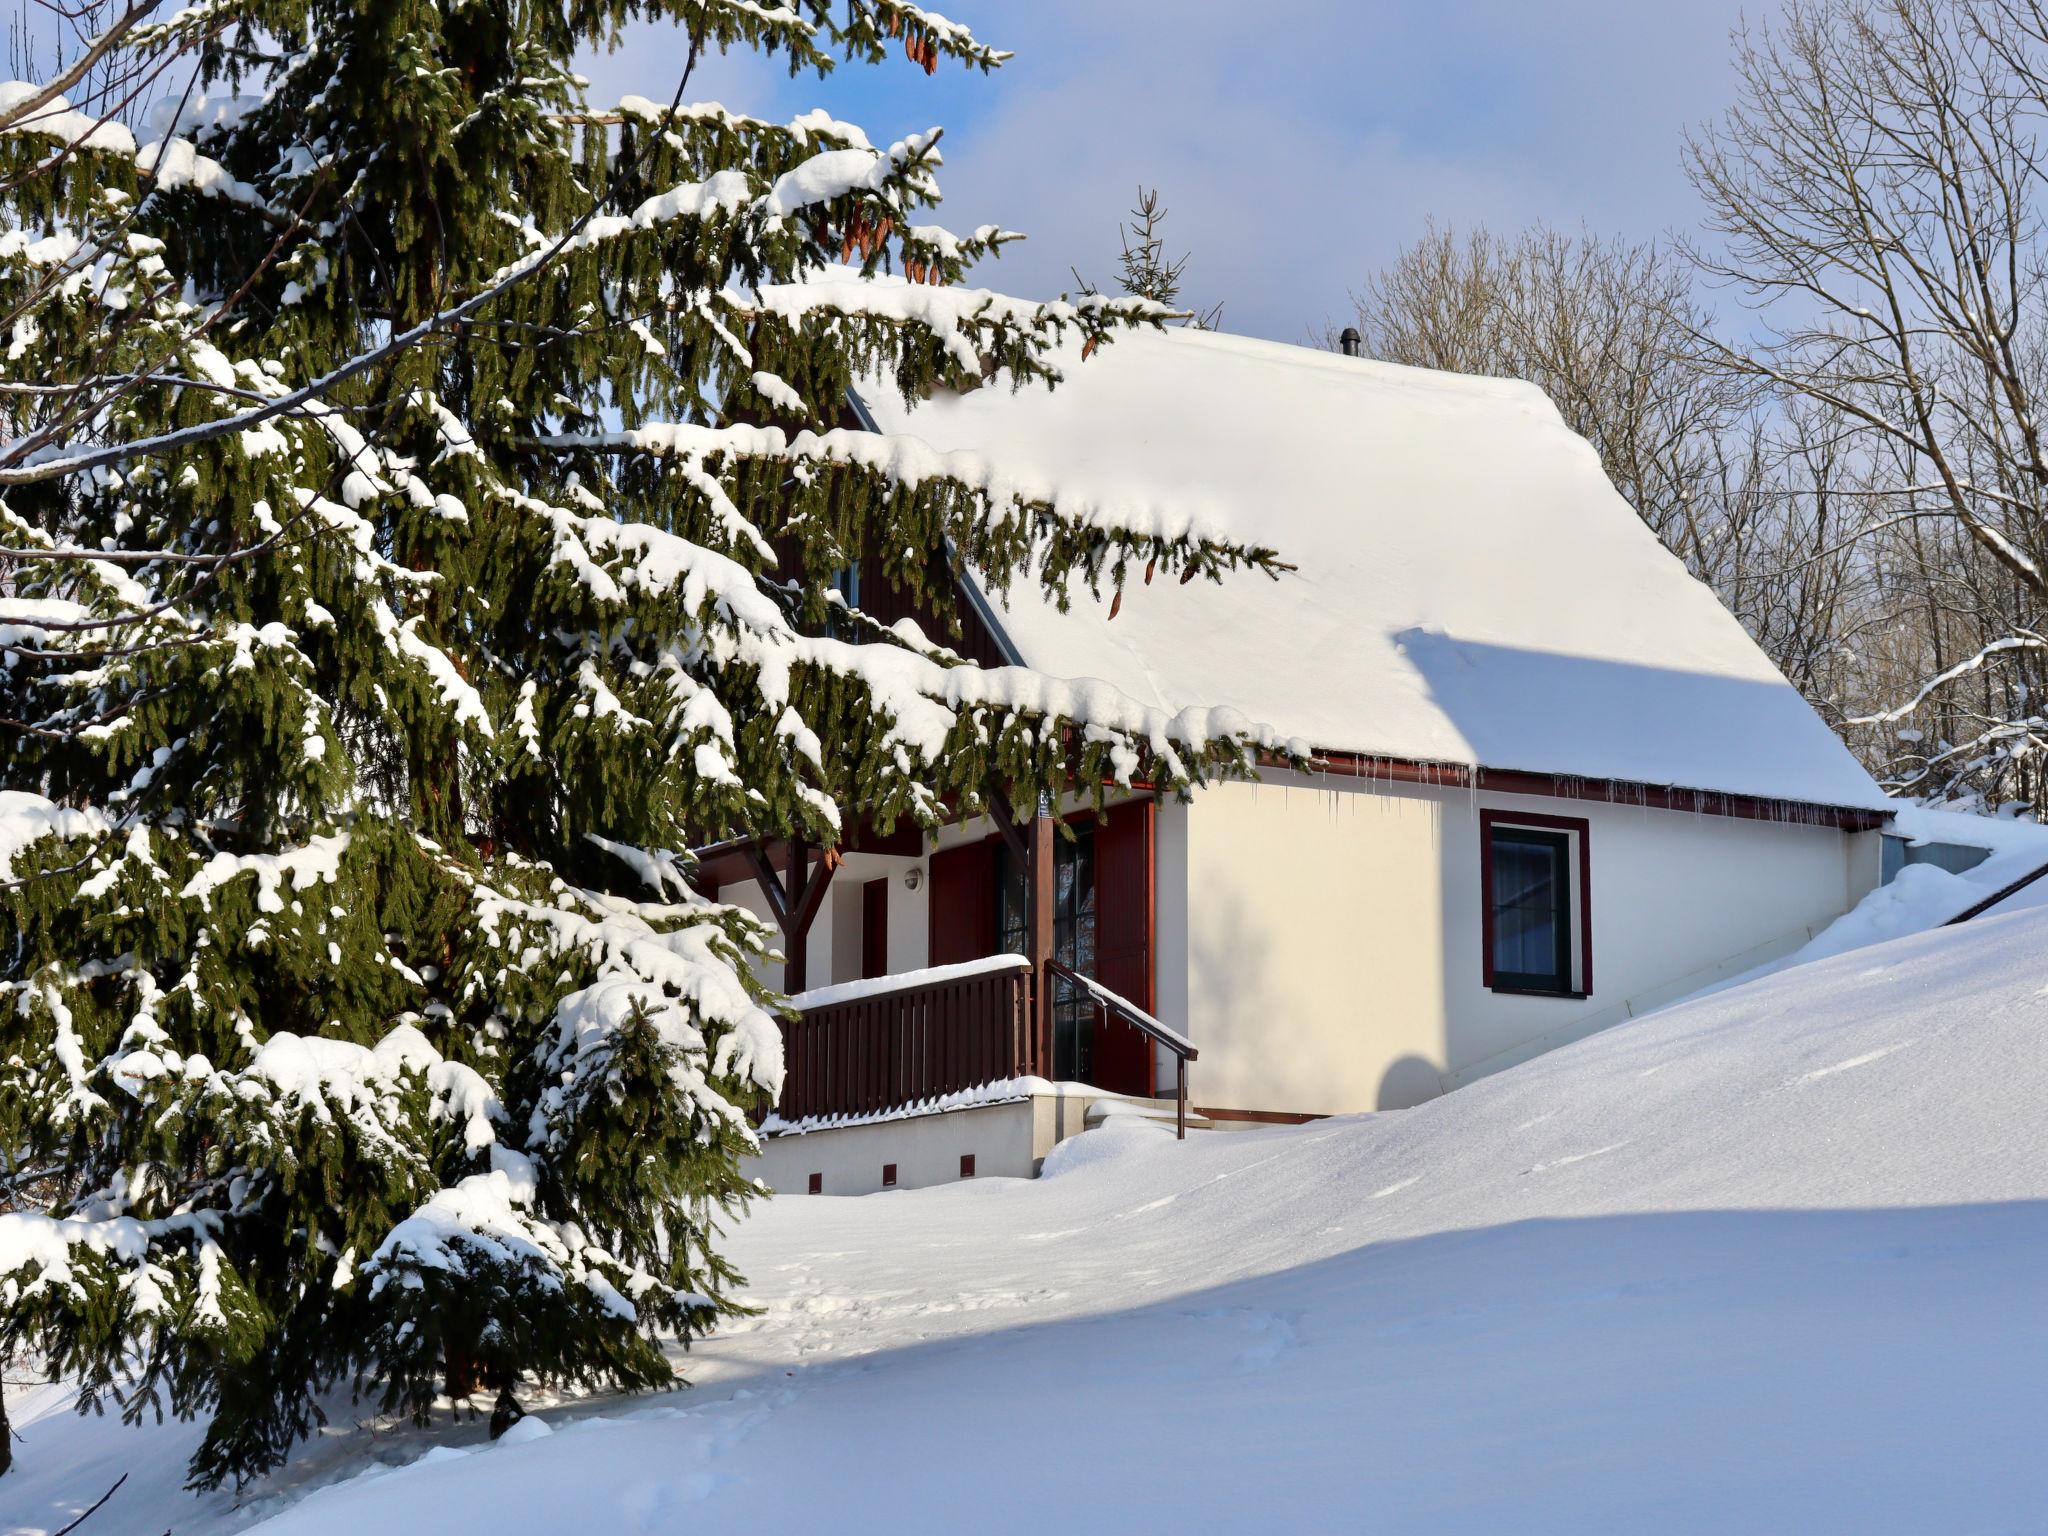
<point x="1767" y="1261"/>
<point x="1924" y="896"/>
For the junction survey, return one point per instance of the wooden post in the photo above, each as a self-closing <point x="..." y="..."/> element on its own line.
<point x="796" y="940"/>
<point x="795" y="899"/>
<point x="1039" y="872"/>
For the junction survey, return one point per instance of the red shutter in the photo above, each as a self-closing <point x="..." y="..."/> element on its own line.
<point x="1123" y="941"/>
<point x="874" y="929"/>
<point x="963" y="903"/>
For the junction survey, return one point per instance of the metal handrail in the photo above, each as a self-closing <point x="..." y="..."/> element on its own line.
<point x="1978" y="909"/>
<point x="1109" y="1002"/>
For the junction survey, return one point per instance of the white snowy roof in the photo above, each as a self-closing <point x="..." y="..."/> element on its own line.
<point x="1469" y="590"/>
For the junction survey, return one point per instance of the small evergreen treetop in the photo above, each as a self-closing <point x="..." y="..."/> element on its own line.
<point x="419" y="516"/>
<point x="1145" y="271"/>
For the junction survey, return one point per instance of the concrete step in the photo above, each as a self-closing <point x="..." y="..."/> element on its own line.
<point x="1162" y="1110"/>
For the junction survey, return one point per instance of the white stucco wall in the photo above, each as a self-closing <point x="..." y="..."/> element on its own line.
<point x="1330" y="956"/>
<point x="834" y="945"/>
<point x="833" y="949"/>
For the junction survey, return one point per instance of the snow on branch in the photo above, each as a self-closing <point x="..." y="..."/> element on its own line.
<point x="668" y="974"/>
<point x="910" y="463"/>
<point x="26" y="818"/>
<point x="172" y="163"/>
<point x="117" y="1257"/>
<point x="2020" y="642"/>
<point x="955" y="315"/>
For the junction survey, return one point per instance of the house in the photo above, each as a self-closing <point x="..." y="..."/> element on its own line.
<point x="1555" y="783"/>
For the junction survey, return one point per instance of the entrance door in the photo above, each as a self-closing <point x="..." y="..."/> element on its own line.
<point x="1123" y="944"/>
<point x="1102" y="927"/>
<point x="962" y="907"/>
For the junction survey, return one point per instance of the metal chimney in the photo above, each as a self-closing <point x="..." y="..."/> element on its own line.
<point x="1350" y="341"/>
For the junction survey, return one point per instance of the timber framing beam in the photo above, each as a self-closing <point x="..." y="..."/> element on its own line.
<point x="794" y="895"/>
<point x="1014" y="836"/>
<point x="1031" y="844"/>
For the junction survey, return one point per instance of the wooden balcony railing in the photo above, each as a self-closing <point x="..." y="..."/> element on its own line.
<point x="866" y="1047"/>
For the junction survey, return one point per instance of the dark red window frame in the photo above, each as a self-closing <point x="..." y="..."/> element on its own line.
<point x="1488" y="820"/>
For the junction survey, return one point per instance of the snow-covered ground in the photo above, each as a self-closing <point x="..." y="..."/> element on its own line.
<point x="1770" y="1260"/>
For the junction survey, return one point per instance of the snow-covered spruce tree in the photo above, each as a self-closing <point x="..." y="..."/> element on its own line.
<point x="422" y="500"/>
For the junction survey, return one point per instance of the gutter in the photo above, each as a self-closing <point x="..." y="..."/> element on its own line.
<point x="1564" y="786"/>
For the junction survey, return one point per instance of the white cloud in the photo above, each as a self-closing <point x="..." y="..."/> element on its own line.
<point x="1298" y="144"/>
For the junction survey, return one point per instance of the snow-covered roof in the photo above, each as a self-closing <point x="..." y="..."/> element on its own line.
<point x="1470" y="589"/>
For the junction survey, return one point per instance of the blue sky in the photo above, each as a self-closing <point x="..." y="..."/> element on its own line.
<point x="1298" y="145"/>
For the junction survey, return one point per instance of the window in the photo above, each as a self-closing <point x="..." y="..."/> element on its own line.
<point x="845" y="582"/>
<point x="1534" y="886"/>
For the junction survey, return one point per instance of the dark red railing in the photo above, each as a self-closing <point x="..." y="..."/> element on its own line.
<point x="903" y="1045"/>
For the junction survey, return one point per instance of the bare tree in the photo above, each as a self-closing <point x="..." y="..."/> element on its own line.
<point x="1875" y="194"/>
<point x="1605" y="328"/>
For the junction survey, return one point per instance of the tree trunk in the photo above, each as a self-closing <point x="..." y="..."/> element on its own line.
<point x="506" y="1413"/>
<point x="461" y="1375"/>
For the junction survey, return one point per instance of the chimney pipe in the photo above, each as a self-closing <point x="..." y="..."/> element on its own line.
<point x="1350" y="341"/>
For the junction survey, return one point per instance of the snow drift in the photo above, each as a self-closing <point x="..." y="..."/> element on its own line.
<point x="1768" y="1260"/>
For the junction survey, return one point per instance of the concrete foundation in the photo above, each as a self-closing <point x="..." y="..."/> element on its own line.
<point x="1007" y="1140"/>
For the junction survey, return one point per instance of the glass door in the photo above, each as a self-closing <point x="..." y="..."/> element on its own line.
<point x="1073" y="941"/>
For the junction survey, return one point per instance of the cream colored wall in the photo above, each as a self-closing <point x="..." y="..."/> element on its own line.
<point x="1312" y="924"/>
<point x="1330" y="954"/>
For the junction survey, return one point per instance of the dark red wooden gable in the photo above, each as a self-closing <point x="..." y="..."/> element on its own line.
<point x="1123" y="941"/>
<point x="886" y="604"/>
<point x="963" y="903"/>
